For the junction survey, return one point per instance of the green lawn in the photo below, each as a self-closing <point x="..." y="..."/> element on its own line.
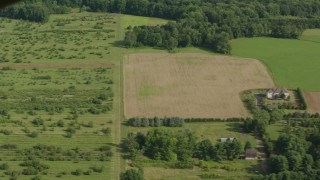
<point x="274" y="130"/>
<point x="292" y="63"/>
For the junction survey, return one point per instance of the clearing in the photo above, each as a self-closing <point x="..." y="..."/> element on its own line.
<point x="190" y="85"/>
<point x="313" y="101"/>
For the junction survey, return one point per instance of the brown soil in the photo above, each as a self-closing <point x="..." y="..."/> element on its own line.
<point x="313" y="101"/>
<point x="190" y="85"/>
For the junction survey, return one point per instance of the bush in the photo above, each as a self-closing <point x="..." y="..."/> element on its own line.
<point x="8" y="146"/>
<point x="132" y="174"/>
<point x="97" y="169"/>
<point x="38" y="122"/>
<point x="6" y="131"/>
<point x="106" y="131"/>
<point x="77" y="172"/>
<point x="60" y="123"/>
<point x="34" y="134"/>
<point x="4" y="166"/>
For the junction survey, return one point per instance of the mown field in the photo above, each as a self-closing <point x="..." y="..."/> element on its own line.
<point x="292" y="63"/>
<point x="190" y="85"/>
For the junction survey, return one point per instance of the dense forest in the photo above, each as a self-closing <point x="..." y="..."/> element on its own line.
<point x="200" y="23"/>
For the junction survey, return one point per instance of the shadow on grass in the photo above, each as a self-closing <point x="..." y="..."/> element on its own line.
<point x="119" y="44"/>
<point x="235" y="127"/>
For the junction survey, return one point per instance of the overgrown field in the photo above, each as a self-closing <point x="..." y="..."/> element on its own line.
<point x="56" y="115"/>
<point x="60" y="95"/>
<point x="293" y="63"/>
<point x="58" y="111"/>
<point x="190" y="85"/>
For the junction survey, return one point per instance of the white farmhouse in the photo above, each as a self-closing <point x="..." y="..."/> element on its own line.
<point x="276" y="93"/>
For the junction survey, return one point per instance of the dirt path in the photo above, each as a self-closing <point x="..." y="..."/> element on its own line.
<point x="262" y="154"/>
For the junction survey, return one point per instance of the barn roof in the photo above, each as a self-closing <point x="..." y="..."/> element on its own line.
<point x="251" y="153"/>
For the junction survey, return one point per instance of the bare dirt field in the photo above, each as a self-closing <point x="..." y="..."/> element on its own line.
<point x="313" y="101"/>
<point x="190" y="85"/>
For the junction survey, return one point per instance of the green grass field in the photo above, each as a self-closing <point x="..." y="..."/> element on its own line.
<point x="274" y="130"/>
<point x="292" y="63"/>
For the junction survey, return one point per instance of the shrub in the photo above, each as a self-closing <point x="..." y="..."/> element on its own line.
<point x="89" y="172"/>
<point x="77" y="172"/>
<point x="34" y="134"/>
<point x="8" y="146"/>
<point x="97" y="169"/>
<point x="132" y="174"/>
<point x="106" y="131"/>
<point x="4" y="166"/>
<point x="60" y="123"/>
<point x="38" y="122"/>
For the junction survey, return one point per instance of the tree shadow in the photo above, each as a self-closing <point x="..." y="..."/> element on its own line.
<point x="235" y="127"/>
<point x="119" y="44"/>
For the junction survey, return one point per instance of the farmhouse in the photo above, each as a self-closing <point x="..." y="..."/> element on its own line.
<point x="223" y="140"/>
<point x="276" y="93"/>
<point x="251" y="154"/>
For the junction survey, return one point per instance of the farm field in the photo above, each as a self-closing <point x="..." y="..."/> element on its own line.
<point x="190" y="85"/>
<point x="292" y="63"/>
<point x="313" y="100"/>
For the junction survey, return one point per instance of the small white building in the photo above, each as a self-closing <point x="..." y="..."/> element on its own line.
<point x="276" y="93"/>
<point x="223" y="140"/>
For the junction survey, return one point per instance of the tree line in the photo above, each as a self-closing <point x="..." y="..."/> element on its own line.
<point x="175" y="121"/>
<point x="156" y="122"/>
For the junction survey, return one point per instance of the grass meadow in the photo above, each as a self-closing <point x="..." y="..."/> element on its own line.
<point x="292" y="63"/>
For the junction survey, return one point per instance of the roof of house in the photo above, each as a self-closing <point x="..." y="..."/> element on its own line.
<point x="251" y="153"/>
<point x="278" y="90"/>
<point x="226" y="139"/>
